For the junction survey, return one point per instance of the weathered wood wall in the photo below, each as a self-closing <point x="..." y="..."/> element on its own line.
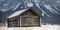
<point x="30" y="15"/>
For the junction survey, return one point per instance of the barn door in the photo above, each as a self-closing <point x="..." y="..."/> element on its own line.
<point x="29" y="21"/>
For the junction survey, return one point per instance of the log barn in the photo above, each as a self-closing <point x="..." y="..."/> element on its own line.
<point x="29" y="17"/>
<point x="24" y="19"/>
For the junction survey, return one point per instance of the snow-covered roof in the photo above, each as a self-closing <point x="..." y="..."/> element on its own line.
<point x="17" y="13"/>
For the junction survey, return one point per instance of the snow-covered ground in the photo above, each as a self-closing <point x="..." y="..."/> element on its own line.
<point x="50" y="27"/>
<point x="43" y="27"/>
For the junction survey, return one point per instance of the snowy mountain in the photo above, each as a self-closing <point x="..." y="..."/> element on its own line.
<point x="12" y="4"/>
